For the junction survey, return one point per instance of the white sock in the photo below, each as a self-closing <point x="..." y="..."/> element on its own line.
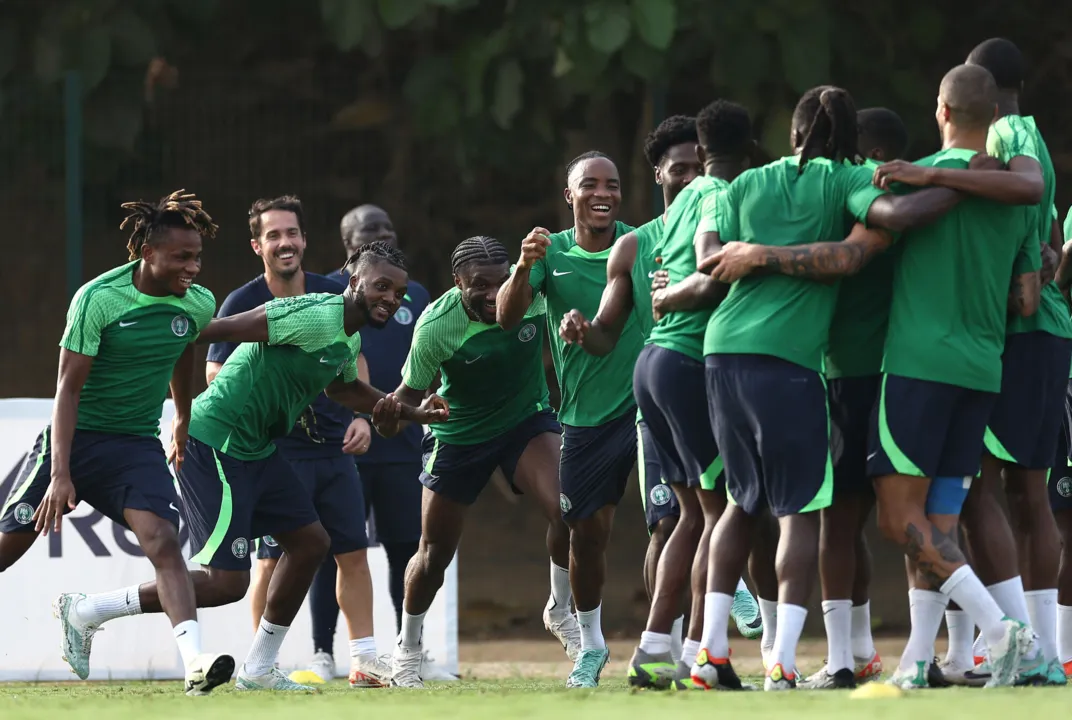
<point x="964" y="588"/>
<point x="742" y="586"/>
<point x="768" y="611"/>
<point x="689" y="650"/>
<point x="1009" y="595"/>
<point x="363" y="648"/>
<point x="265" y="649"/>
<point x="790" y="624"/>
<point x="863" y="643"/>
<point x="654" y="643"/>
<point x="188" y="638"/>
<point x="591" y="629"/>
<point x="1064" y="633"/>
<point x="716" y="624"/>
<point x="101" y="607"/>
<point x="837" y="617"/>
<point x="961" y="632"/>
<point x="412" y="627"/>
<point x="1042" y="609"/>
<point x="560" y="590"/>
<point x="675" y="638"/>
<point x="925" y="608"/>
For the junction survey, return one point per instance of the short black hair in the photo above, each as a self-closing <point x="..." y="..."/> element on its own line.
<point x="482" y="250"/>
<point x="826" y="118"/>
<point x="374" y="251"/>
<point x="1004" y="61"/>
<point x="289" y="203"/>
<point x="180" y="209"/>
<point x="674" y="130"/>
<point x="589" y="155"/>
<point x="724" y="129"/>
<point x="970" y="93"/>
<point x="882" y="128"/>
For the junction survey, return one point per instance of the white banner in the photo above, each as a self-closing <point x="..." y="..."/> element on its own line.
<point x="93" y="554"/>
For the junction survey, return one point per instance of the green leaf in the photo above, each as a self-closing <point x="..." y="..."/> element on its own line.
<point x="655" y="21"/>
<point x="133" y="40"/>
<point x="399" y="13"/>
<point x="472" y="66"/>
<point x="643" y="61"/>
<point x="607" y="26"/>
<point x="346" y="21"/>
<point x="507" y="103"/>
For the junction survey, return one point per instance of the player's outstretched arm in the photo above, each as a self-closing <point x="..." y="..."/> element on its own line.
<point x="1024" y="294"/>
<point x="1021" y="184"/>
<point x="60" y="496"/>
<point x="824" y="262"/>
<point x="515" y="295"/>
<point x="249" y="326"/>
<point x="363" y="398"/>
<point x="601" y="335"/>
<point x="904" y="212"/>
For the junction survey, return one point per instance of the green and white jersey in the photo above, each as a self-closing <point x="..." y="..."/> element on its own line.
<point x="683" y="331"/>
<point x="493" y="379"/>
<point x="1013" y="136"/>
<point x="951" y="288"/>
<point x="648" y="237"/>
<point x="134" y="340"/>
<point x="594" y="389"/>
<point x="262" y="388"/>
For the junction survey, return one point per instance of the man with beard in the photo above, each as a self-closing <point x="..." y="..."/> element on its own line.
<point x="598" y="412"/>
<point x="501" y="416"/>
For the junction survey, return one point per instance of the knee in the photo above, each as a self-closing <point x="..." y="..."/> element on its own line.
<point x="587" y="537"/>
<point x="160" y="543"/>
<point x="353" y="563"/>
<point x="433" y="558"/>
<point x="230" y="586"/>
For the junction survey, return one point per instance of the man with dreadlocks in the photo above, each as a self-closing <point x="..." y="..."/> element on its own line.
<point x="234" y="484"/>
<point x="598" y="411"/>
<point x="500" y="416"/>
<point x="130" y="334"/>
<point x="764" y="347"/>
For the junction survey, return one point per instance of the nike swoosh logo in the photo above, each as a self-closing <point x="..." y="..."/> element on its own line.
<point x="269" y="632"/>
<point x="470" y="362"/>
<point x="757" y="621"/>
<point x="172" y="506"/>
<point x="556" y="273"/>
<point x="181" y="634"/>
<point x="651" y="276"/>
<point x="872" y="455"/>
<point x="325" y="360"/>
<point x="127" y="324"/>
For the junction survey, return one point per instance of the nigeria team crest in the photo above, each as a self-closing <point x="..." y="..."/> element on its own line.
<point x="1064" y="487"/>
<point x="404" y="315"/>
<point x="564" y="503"/>
<point x="660" y="494"/>
<point x="270" y="541"/>
<point x="240" y="548"/>
<point x="24" y="513"/>
<point x="180" y="325"/>
<point x="526" y="333"/>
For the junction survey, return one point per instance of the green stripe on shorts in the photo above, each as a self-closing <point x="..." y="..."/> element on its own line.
<point x="995" y="448"/>
<point x="709" y="477"/>
<point x="222" y="522"/>
<point x="17" y="495"/>
<point x="432" y="457"/>
<point x="902" y="465"/>
<point x="825" y="495"/>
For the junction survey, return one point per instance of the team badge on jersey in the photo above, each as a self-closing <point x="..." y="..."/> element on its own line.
<point x="180" y="325"/>
<point x="526" y="333"/>
<point x="240" y="548"/>
<point x="660" y="495"/>
<point x="270" y="541"/>
<point x="404" y="315"/>
<point x="1064" y="488"/>
<point x="24" y="513"/>
<point x="564" y="503"/>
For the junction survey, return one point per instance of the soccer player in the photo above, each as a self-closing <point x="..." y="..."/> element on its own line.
<point x="235" y="487"/>
<point x="129" y="335"/>
<point x="1022" y="432"/>
<point x="598" y="412"/>
<point x="764" y="346"/>
<point x="316" y="446"/>
<point x="493" y="380"/>
<point x="853" y="372"/>
<point x="1060" y="485"/>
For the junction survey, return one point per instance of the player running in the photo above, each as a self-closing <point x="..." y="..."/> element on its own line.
<point x="598" y="411"/>
<point x="493" y="380"/>
<point x="316" y="446"/>
<point x="1060" y="485"/>
<point x="129" y="335"/>
<point x="767" y="398"/>
<point x="235" y="487"/>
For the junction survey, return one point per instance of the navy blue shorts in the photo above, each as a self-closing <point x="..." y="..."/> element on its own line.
<point x="670" y="391"/>
<point x="339" y="500"/>
<point x="1024" y="424"/>
<point x="927" y="429"/>
<point x="595" y="466"/>
<point x="852" y="401"/>
<point x="110" y="472"/>
<point x="1060" y="480"/>
<point x="392" y="500"/>
<point x="772" y="426"/>
<point x="656" y="497"/>
<point x="228" y="503"/>
<point x="460" y="472"/>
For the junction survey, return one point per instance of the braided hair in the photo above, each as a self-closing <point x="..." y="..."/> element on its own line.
<point x="373" y="251"/>
<point x="178" y="210"/>
<point x="482" y="250"/>
<point x="829" y="115"/>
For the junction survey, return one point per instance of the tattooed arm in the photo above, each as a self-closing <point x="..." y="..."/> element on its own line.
<point x="1024" y="294"/>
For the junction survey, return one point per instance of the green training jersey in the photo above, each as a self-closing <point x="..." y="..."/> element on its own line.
<point x="862" y="313"/>
<point x="492" y="378"/>
<point x="135" y="341"/>
<point x="1013" y="136"/>
<point x="262" y="388"/>
<point x="951" y="287"/>
<point x="648" y="237"/>
<point x="573" y="278"/>
<point x="683" y="331"/>
<point x="778" y="315"/>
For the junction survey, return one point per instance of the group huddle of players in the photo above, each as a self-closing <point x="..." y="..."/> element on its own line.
<point x="785" y="347"/>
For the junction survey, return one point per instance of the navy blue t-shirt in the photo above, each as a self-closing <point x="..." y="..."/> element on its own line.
<point x="385" y="350"/>
<point x="321" y="427"/>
